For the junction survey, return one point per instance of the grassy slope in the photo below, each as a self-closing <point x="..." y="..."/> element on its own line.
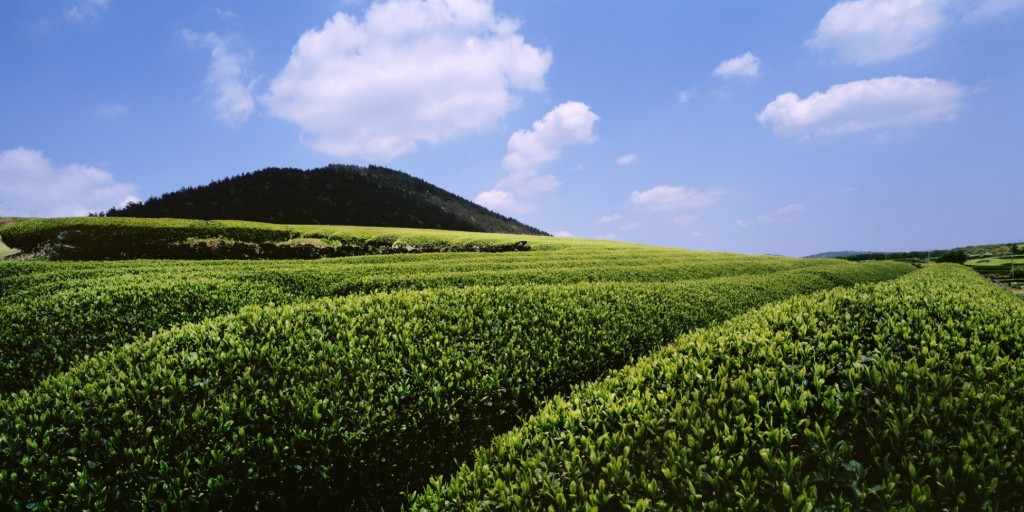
<point x="996" y="264"/>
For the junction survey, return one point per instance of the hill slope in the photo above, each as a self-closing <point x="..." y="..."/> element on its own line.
<point x="336" y="194"/>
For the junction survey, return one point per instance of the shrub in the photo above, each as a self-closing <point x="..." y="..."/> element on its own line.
<point x="905" y="395"/>
<point x="340" y="403"/>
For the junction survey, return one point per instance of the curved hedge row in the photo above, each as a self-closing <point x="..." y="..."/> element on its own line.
<point x="118" y="238"/>
<point x="905" y="395"/>
<point x="340" y="402"/>
<point x="48" y="334"/>
<point x="57" y="312"/>
<point x="114" y="235"/>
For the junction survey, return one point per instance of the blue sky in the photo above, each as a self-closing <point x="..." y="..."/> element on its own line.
<point x="745" y="126"/>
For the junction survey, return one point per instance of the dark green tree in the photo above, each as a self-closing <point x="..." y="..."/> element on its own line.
<point x="954" y="256"/>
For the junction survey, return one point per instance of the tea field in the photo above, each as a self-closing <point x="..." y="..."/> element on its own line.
<point x="565" y="373"/>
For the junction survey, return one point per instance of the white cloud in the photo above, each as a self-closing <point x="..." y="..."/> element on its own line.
<point x="32" y="186"/>
<point x="111" y="110"/>
<point x="233" y="99"/>
<point x="410" y="72"/>
<point x="686" y="95"/>
<point x="879" y="103"/>
<point x="870" y="31"/>
<point x="227" y="14"/>
<point x="790" y="208"/>
<point x="631" y="226"/>
<point x="992" y="9"/>
<point x="502" y="201"/>
<point x="567" y="124"/>
<point x="608" y="219"/>
<point x="563" y="234"/>
<point x="667" y="198"/>
<point x="746" y="65"/>
<point x="685" y="220"/>
<point x="629" y="159"/>
<point x="782" y="215"/>
<point x="85" y="11"/>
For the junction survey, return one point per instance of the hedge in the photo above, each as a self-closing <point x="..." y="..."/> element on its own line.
<point x="340" y="403"/>
<point x="906" y="395"/>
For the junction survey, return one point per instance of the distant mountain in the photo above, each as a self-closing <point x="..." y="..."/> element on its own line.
<point x="838" y="254"/>
<point x="333" y="195"/>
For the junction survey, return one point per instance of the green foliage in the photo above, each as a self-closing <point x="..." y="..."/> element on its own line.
<point x="54" y="313"/>
<point x="336" y="194"/>
<point x="906" y="395"/>
<point x="954" y="256"/>
<point x="97" y="238"/>
<point x="349" y="402"/>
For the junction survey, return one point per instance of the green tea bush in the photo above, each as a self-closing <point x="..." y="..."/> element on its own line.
<point x="342" y="403"/>
<point x="906" y="395"/>
<point x="45" y="335"/>
<point x="98" y="238"/>
<point x="119" y="238"/>
<point x="54" y="313"/>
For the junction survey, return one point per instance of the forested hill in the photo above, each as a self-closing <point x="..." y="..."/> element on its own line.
<point x="335" y="195"/>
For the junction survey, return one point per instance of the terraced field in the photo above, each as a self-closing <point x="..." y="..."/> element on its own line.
<point x="365" y="382"/>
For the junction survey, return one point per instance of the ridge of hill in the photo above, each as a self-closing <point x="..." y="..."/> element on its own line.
<point x="336" y="195"/>
<point x="837" y="254"/>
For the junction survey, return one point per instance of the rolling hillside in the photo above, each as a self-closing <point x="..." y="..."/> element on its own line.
<point x="337" y="195"/>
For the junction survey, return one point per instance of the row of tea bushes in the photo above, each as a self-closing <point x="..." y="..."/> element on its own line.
<point x="559" y="261"/>
<point x="48" y="334"/>
<point x="57" y="312"/>
<point x="907" y="395"/>
<point x="340" y="403"/>
<point x="98" y="238"/>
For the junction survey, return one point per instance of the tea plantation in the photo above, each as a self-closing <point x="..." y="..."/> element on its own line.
<point x="572" y="375"/>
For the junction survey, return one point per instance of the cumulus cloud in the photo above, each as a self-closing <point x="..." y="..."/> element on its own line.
<point x="627" y="159"/>
<point x="608" y="219"/>
<point x="870" y="31"/>
<point x="502" y="201"/>
<point x="32" y="186"/>
<point x="85" y="11"/>
<point x="563" y="234"/>
<point x="410" y="72"/>
<point x="746" y="65"/>
<point x="668" y="198"/>
<point x="992" y="9"/>
<point x="567" y="124"/>
<point x="687" y="95"/>
<point x="226" y="78"/>
<point x="864" y="105"/>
